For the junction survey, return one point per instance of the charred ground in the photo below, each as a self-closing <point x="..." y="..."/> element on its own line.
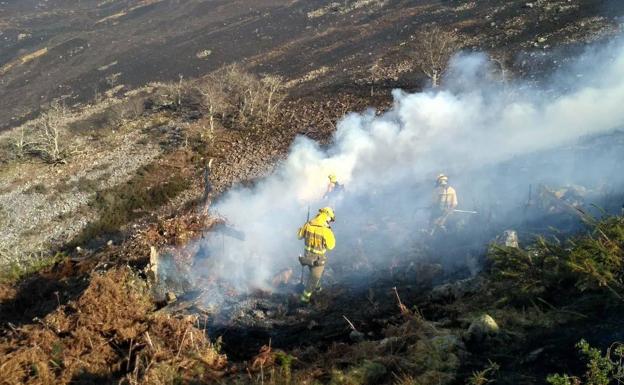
<point x="88" y="315"/>
<point x="56" y="48"/>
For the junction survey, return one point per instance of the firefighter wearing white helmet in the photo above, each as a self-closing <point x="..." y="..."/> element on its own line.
<point x="444" y="202"/>
<point x="318" y="238"/>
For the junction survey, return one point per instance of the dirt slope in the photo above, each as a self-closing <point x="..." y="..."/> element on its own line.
<point x="57" y="48"/>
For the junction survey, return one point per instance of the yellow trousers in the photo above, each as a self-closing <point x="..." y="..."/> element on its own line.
<point x="314" y="279"/>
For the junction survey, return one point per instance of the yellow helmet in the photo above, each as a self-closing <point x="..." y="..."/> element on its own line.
<point x="332" y="178"/>
<point x="329" y="212"/>
<point x="442" y="179"/>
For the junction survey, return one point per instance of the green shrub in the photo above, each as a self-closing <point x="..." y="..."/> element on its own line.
<point x="562" y="379"/>
<point x="38" y="188"/>
<point x="87" y="185"/>
<point x="600" y="370"/>
<point x="555" y="270"/>
<point x="367" y="373"/>
<point x="4" y="216"/>
<point x="481" y="377"/>
<point x="121" y="204"/>
<point x="16" y="271"/>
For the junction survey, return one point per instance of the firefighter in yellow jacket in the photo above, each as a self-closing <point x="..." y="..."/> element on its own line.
<point x="444" y="202"/>
<point x="318" y="238"/>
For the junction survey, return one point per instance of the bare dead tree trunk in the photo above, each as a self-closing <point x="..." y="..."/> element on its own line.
<point x="272" y="85"/>
<point x="270" y="99"/>
<point x="211" y="114"/>
<point x="376" y="74"/>
<point x="502" y="68"/>
<point x="207" y="186"/>
<point x="20" y="142"/>
<point x="179" y="101"/>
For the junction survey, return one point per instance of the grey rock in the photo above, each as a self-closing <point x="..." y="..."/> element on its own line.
<point x="356" y="336"/>
<point x="454" y="290"/>
<point x="259" y="314"/>
<point x="170" y="297"/>
<point x="534" y="355"/>
<point x="391" y="343"/>
<point x="482" y="328"/>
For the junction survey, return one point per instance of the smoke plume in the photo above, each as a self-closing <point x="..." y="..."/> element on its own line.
<point x="492" y="138"/>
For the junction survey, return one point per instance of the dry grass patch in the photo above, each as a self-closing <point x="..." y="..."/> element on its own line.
<point x="109" y="333"/>
<point x="23" y="60"/>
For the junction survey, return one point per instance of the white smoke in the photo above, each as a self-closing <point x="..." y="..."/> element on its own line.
<point x="388" y="162"/>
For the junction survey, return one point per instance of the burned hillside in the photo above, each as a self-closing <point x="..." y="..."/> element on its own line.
<point x="359" y="46"/>
<point x="170" y="231"/>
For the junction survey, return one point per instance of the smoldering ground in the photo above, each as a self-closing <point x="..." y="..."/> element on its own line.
<point x="493" y="138"/>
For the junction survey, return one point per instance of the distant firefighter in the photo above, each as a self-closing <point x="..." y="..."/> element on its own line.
<point x="334" y="189"/>
<point x="444" y="202"/>
<point x="318" y="238"/>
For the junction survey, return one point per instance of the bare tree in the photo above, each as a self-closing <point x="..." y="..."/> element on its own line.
<point x="502" y="68"/>
<point x="434" y="48"/>
<point x="97" y="95"/>
<point x="376" y="74"/>
<point x="251" y="98"/>
<point x="210" y="102"/>
<point x="274" y="95"/>
<point x="49" y="133"/>
<point x="242" y="90"/>
<point x="213" y="99"/>
<point x="232" y="95"/>
<point x="179" y="90"/>
<point x="173" y="95"/>
<point x="22" y="141"/>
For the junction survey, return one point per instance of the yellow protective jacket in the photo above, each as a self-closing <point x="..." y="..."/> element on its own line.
<point x="445" y="198"/>
<point x="317" y="235"/>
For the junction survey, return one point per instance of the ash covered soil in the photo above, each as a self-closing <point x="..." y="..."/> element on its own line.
<point x="58" y="48"/>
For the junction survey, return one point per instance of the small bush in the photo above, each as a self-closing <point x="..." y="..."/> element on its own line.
<point x="119" y="205"/>
<point x="87" y="185"/>
<point x="285" y="361"/>
<point x="96" y="122"/>
<point x="481" y="377"/>
<point x="600" y="370"/>
<point x="38" y="188"/>
<point x="4" y="216"/>
<point x="230" y="97"/>
<point x="49" y="135"/>
<point x="110" y="331"/>
<point x="367" y="373"/>
<point x="589" y="262"/>
<point x="45" y="137"/>
<point x="15" y="271"/>
<point x="131" y="108"/>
